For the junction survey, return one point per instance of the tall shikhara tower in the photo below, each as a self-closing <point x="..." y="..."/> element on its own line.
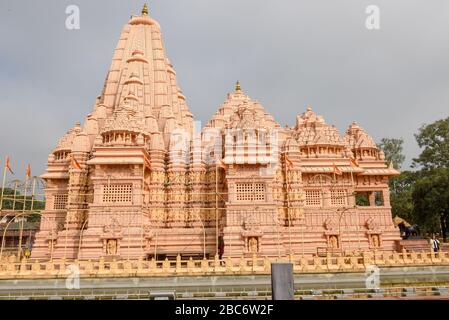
<point x="121" y="152"/>
<point x="138" y="180"/>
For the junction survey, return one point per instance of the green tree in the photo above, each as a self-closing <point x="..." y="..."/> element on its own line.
<point x="9" y="203"/>
<point x="434" y="138"/>
<point x="7" y="198"/>
<point x="393" y="150"/>
<point x="402" y="185"/>
<point x="401" y="188"/>
<point x="431" y="191"/>
<point x="431" y="201"/>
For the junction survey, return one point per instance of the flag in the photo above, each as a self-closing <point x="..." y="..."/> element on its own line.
<point x="28" y="171"/>
<point x="74" y="164"/>
<point x="221" y="164"/>
<point x="8" y="165"/>
<point x="288" y="162"/>
<point x="337" y="170"/>
<point x="353" y="162"/>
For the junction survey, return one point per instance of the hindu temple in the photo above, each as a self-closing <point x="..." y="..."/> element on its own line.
<point x="140" y="179"/>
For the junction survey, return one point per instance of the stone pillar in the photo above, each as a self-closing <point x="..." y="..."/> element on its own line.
<point x="386" y="196"/>
<point x="326" y="197"/>
<point x="197" y="190"/>
<point x="176" y="188"/>
<point x="351" y="197"/>
<point x="77" y="190"/>
<point x="371" y="198"/>
<point x="157" y="188"/>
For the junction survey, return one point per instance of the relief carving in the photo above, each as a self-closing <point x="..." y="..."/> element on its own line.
<point x="330" y="224"/>
<point x="111" y="247"/>
<point x="253" y="245"/>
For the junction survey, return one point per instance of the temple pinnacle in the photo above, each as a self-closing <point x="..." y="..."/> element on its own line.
<point x="145" y="9"/>
<point x="237" y="86"/>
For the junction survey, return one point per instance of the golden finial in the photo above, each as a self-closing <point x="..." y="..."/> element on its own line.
<point x="237" y="86"/>
<point x="145" y="9"/>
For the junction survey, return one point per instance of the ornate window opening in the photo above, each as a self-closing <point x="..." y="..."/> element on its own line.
<point x="374" y="240"/>
<point x="378" y="198"/>
<point x="333" y="241"/>
<point x="121" y="137"/>
<point x="61" y="155"/>
<point x="111" y="247"/>
<point x="338" y="197"/>
<point x="60" y="201"/>
<point x="121" y="193"/>
<point x="369" y="198"/>
<point x="250" y="191"/>
<point x="252" y="244"/>
<point x="362" y="199"/>
<point x="313" y="198"/>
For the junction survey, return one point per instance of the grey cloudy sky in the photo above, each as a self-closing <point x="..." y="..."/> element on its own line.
<point x="288" y="54"/>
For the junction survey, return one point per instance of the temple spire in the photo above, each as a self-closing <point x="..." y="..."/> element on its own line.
<point x="145" y="9"/>
<point x="237" y="86"/>
<point x="391" y="165"/>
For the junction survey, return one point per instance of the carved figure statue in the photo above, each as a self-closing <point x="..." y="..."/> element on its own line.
<point x="333" y="241"/>
<point x="375" y="240"/>
<point x="253" y="244"/>
<point x="111" y="247"/>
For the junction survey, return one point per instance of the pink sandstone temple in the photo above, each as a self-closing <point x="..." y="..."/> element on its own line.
<point x="141" y="179"/>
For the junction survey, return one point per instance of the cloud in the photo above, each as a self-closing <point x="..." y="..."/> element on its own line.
<point x="287" y="54"/>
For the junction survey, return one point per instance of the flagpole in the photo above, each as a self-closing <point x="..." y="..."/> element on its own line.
<point x="353" y="163"/>
<point x="339" y="221"/>
<point x="19" y="249"/>
<point x="216" y="208"/>
<point x="15" y="196"/>
<point x="3" y="187"/>
<point x="357" y="211"/>
<point x="29" y="245"/>
<point x="32" y="193"/>
<point x="288" y="204"/>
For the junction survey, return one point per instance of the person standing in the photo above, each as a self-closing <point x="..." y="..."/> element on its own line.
<point x="220" y="247"/>
<point x="434" y="244"/>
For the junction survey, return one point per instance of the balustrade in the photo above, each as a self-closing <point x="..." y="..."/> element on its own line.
<point x="11" y="269"/>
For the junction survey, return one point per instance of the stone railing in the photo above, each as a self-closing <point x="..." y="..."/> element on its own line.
<point x="237" y="266"/>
